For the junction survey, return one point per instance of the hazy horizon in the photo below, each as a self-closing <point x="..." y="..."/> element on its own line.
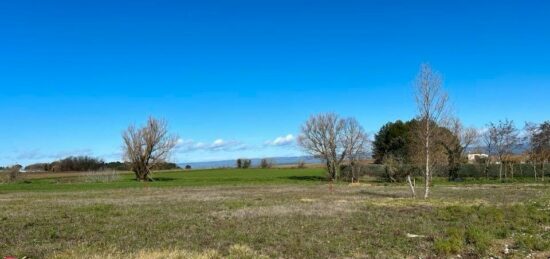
<point x="237" y="79"/>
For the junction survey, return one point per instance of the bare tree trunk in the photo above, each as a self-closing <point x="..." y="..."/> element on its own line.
<point x="500" y="171"/>
<point x="535" y="169"/>
<point x="543" y="162"/>
<point x="486" y="170"/>
<point x="352" y="171"/>
<point x="143" y="174"/>
<point x="413" y="193"/>
<point x="336" y="171"/>
<point x="329" y="170"/>
<point x="505" y="169"/>
<point x="427" y="150"/>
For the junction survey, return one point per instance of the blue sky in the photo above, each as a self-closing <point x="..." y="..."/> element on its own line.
<point x="230" y="76"/>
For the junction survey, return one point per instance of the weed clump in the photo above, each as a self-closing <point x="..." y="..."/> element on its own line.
<point x="452" y="243"/>
<point x="479" y="238"/>
<point x="534" y="242"/>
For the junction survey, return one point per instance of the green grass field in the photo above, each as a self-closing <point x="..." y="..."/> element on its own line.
<point x="254" y="213"/>
<point x="76" y="181"/>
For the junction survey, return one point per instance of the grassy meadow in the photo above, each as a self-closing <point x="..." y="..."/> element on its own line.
<point x="266" y="213"/>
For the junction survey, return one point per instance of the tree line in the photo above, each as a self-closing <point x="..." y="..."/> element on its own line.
<point x="86" y="164"/>
<point x="434" y="138"/>
<point x="244" y="163"/>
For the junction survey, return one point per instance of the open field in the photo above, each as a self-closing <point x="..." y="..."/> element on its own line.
<point x="84" y="181"/>
<point x="252" y="213"/>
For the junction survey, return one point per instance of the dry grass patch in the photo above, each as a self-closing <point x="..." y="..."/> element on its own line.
<point x="320" y="209"/>
<point x="281" y="221"/>
<point x="235" y="252"/>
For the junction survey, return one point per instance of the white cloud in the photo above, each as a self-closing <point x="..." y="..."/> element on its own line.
<point x="223" y="145"/>
<point x="217" y="145"/>
<point x="188" y="145"/>
<point x="282" y="141"/>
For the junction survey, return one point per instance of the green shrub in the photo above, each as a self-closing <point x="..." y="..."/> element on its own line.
<point x="455" y="213"/>
<point x="534" y="242"/>
<point x="243" y="163"/>
<point x="452" y="243"/>
<point x="266" y="163"/>
<point x="447" y="246"/>
<point x="492" y="214"/>
<point x="480" y="239"/>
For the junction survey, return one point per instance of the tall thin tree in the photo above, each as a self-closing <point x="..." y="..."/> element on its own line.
<point x="505" y="139"/>
<point x="532" y="131"/>
<point x="355" y="141"/>
<point x="431" y="100"/>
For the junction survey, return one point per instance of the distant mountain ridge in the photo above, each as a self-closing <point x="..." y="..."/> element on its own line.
<point x="255" y="162"/>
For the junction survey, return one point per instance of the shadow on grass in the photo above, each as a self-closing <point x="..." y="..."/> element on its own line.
<point x="306" y="178"/>
<point x="163" y="179"/>
<point x="381" y="194"/>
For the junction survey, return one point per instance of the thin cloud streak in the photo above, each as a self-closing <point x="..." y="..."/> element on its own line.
<point x="282" y="141"/>
<point x="189" y="145"/>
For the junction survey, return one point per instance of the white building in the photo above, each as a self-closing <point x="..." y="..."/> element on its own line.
<point x="473" y="157"/>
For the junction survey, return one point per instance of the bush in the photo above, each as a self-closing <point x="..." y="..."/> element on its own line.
<point x="353" y="172"/>
<point x="243" y="163"/>
<point x="14" y="172"/>
<point x="239" y="163"/>
<point x="397" y="171"/>
<point x="165" y="166"/>
<point x="451" y="244"/>
<point x="188" y="167"/>
<point x="533" y="242"/>
<point x="117" y="166"/>
<point x="10" y="174"/>
<point x="448" y="246"/>
<point x="301" y="164"/>
<point x="247" y="163"/>
<point x="75" y="163"/>
<point x="480" y="239"/>
<point x="265" y="163"/>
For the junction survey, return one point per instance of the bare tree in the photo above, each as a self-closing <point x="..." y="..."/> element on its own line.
<point x="532" y="130"/>
<point x="489" y="139"/>
<point x="333" y="139"/>
<point x="239" y="163"/>
<point x="431" y="100"/>
<point x="266" y="163"/>
<point x="301" y="164"/>
<point x="355" y="141"/>
<point x="541" y="142"/>
<point x="246" y="163"/>
<point x="457" y="143"/>
<point x="14" y="172"/>
<point x="504" y="137"/>
<point x="147" y="146"/>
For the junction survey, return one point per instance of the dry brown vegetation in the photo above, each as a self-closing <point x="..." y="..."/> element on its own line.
<point x="290" y="221"/>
